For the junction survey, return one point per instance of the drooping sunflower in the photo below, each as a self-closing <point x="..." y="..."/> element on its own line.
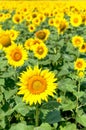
<point x="40" y="51"/>
<point x="76" y="20"/>
<point x="42" y="34"/>
<point x="16" y="55"/>
<point x="77" y="41"/>
<point x="63" y="25"/>
<point x="79" y="64"/>
<point x="36" y="85"/>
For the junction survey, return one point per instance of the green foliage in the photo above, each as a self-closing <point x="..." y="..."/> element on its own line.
<point x="67" y="114"/>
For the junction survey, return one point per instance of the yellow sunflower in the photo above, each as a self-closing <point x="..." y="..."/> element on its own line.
<point x="17" y="18"/>
<point x="76" y="20"/>
<point x="40" y="51"/>
<point x="81" y="74"/>
<point x="37" y="85"/>
<point x="42" y="34"/>
<point x="82" y="48"/>
<point x="31" y="27"/>
<point x="63" y="25"/>
<point x="28" y="43"/>
<point x="16" y="55"/>
<point x="5" y="39"/>
<point x="13" y="34"/>
<point x="80" y="64"/>
<point x="77" y="41"/>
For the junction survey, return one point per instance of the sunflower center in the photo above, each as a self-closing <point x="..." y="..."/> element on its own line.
<point x="79" y="64"/>
<point x="76" y="20"/>
<point x="77" y="41"/>
<point x="40" y="50"/>
<point x="37" y="85"/>
<point x="83" y="47"/>
<point x="16" y="55"/>
<point x="41" y="35"/>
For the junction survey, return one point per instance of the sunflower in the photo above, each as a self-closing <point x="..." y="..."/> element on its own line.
<point x="17" y="18"/>
<point x="63" y="25"/>
<point x="80" y="64"/>
<point x="77" y="41"/>
<point x="76" y="20"/>
<point x="42" y="34"/>
<point x="40" y="51"/>
<point x="36" y="85"/>
<point x="13" y="34"/>
<point x="82" y="48"/>
<point x="31" y="27"/>
<point x="16" y="55"/>
<point x="81" y="74"/>
<point x="28" y="43"/>
<point x="51" y="21"/>
<point x="5" y="39"/>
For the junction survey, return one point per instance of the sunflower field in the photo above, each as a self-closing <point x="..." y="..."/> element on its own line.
<point x="42" y="65"/>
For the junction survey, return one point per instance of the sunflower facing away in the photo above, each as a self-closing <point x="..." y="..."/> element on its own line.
<point x="16" y="55"/>
<point x="36" y="85"/>
<point x="80" y="64"/>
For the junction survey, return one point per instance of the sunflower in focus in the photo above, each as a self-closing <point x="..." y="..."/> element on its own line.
<point x="36" y="85"/>
<point x="42" y="34"/>
<point x="16" y="55"/>
<point x="40" y="51"/>
<point x="80" y="64"/>
<point x="76" y="20"/>
<point x="77" y="41"/>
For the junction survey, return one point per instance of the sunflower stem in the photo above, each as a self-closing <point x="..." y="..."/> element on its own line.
<point x="37" y="116"/>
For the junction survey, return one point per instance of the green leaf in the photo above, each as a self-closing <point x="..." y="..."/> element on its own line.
<point x="68" y="106"/>
<point x="2" y="81"/>
<point x="53" y="117"/>
<point x="21" y="126"/>
<point x="22" y="108"/>
<point x="69" y="126"/>
<point x="44" y="126"/>
<point x="50" y="105"/>
<point x="81" y="119"/>
<point x="10" y="93"/>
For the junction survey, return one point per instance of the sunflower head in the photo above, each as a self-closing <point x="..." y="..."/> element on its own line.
<point x="40" y="51"/>
<point x="36" y="85"/>
<point x="82" y="48"/>
<point x="77" y="41"/>
<point x="5" y="39"/>
<point x="42" y="34"/>
<point x="76" y="20"/>
<point x="63" y="25"/>
<point x="80" y="64"/>
<point x="16" y="55"/>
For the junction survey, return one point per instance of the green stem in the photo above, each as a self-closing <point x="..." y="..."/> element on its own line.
<point x="37" y="116"/>
<point x="78" y="96"/>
